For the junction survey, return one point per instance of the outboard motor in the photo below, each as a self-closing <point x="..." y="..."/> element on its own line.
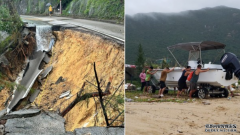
<point x="230" y="63"/>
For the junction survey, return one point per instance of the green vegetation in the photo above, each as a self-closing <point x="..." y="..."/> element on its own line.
<point x="156" y="31"/>
<point x="137" y="97"/>
<point x="140" y="59"/>
<point x="98" y="9"/>
<point x="10" y="22"/>
<point x="101" y="9"/>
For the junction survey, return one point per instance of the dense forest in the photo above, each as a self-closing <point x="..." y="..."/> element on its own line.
<point x="156" y="31"/>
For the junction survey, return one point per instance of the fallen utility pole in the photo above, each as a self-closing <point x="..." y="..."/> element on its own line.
<point x="84" y="97"/>
<point x="100" y="96"/>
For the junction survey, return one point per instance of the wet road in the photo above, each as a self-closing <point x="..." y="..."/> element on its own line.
<point x="114" y="30"/>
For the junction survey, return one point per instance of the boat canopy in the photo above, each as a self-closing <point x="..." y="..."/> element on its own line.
<point x="198" y="46"/>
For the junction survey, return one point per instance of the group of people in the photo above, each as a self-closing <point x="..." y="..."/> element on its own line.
<point x="182" y="85"/>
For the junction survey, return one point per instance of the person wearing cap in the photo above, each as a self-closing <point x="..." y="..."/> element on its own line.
<point x="194" y="79"/>
<point x="163" y="79"/>
<point x="148" y="78"/>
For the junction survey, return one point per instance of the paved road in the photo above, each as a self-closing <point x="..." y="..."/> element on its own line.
<point x="114" y="30"/>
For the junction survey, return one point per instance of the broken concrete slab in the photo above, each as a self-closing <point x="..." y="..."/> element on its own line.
<point x="46" y="59"/>
<point x="65" y="94"/>
<point x="43" y="124"/>
<point x="22" y="113"/>
<point x="46" y="72"/>
<point x="29" y="78"/>
<point x="34" y="95"/>
<point x="3" y="112"/>
<point x="99" y="131"/>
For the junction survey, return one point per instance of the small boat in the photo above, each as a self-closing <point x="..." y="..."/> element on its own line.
<point x="210" y="82"/>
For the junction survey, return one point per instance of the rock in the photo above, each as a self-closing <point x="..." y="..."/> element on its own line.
<point x="43" y="124"/>
<point x="180" y="131"/>
<point x="25" y="42"/>
<point x="60" y="79"/>
<point x="1" y="129"/>
<point x="206" y="103"/>
<point x="22" y="113"/>
<point x="99" y="131"/>
<point x="4" y="60"/>
<point x="69" y="133"/>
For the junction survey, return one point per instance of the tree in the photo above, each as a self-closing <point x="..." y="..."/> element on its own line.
<point x="164" y="63"/>
<point x="140" y="59"/>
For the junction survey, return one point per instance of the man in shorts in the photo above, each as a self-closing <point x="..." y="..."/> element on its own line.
<point x="163" y="79"/>
<point x="148" y="78"/>
<point x="182" y="85"/>
<point x="194" y="79"/>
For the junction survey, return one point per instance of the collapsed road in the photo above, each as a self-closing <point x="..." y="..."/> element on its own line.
<point x="34" y="69"/>
<point x="45" y="45"/>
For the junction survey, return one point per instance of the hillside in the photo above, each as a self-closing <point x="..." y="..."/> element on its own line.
<point x="156" y="31"/>
<point x="97" y="9"/>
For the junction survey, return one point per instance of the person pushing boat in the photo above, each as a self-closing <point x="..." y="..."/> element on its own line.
<point x="194" y="79"/>
<point x="182" y="85"/>
<point x="162" y="80"/>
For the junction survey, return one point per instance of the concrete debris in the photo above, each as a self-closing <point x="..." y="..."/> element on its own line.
<point x="3" y="112"/>
<point x="130" y="86"/>
<point x="46" y="59"/>
<point x="51" y="44"/>
<point x="28" y="80"/>
<point x="46" y="72"/>
<point x="22" y="113"/>
<point x="34" y="95"/>
<point x="4" y="60"/>
<point x="1" y="129"/>
<point x="25" y="32"/>
<point x="43" y="124"/>
<point x="60" y="79"/>
<point x="99" y="131"/>
<point x="65" y="94"/>
<point x="206" y="103"/>
<point x="69" y="96"/>
<point x="180" y="131"/>
<point x="129" y="100"/>
<point x="25" y="42"/>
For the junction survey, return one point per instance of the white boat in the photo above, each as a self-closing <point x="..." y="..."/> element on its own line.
<point x="210" y="82"/>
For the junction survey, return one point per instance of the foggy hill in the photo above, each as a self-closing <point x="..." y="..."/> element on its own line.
<point x="156" y="31"/>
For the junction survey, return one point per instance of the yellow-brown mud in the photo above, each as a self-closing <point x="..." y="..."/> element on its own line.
<point x="4" y="94"/>
<point x="73" y="56"/>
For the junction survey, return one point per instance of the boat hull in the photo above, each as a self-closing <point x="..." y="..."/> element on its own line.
<point x="214" y="77"/>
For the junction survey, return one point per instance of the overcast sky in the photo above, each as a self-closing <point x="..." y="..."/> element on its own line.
<point x="172" y="6"/>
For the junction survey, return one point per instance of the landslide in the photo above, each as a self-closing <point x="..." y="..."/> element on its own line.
<point x="72" y="59"/>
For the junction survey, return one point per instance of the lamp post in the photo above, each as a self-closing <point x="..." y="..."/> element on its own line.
<point x="60" y="7"/>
